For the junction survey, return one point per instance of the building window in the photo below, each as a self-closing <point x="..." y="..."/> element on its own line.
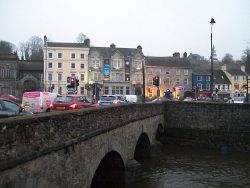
<point x="167" y="73"/>
<point x="82" y="56"/>
<point x="185" y="81"/>
<point x="95" y="62"/>
<point x="95" y="76"/>
<point x="82" y="90"/>
<point x="149" y="72"/>
<point x="73" y="55"/>
<point x="150" y="81"/>
<point x="82" y="66"/>
<point x="50" y="55"/>
<point x="106" y="90"/>
<point x="207" y="78"/>
<point x="236" y="78"/>
<point x="117" y="77"/>
<point x="177" y="72"/>
<point x="207" y="87"/>
<point x="49" y="76"/>
<point x="116" y="90"/>
<point x="127" y="90"/>
<point x="158" y="71"/>
<point x="59" y="76"/>
<point x="199" y="78"/>
<point x="186" y="72"/>
<point x="50" y="65"/>
<point x="137" y="64"/>
<point x="82" y="77"/>
<point x="244" y="78"/>
<point x="59" y="65"/>
<point x="73" y="65"/>
<point x="60" y="90"/>
<point x="59" y="55"/>
<point x="117" y="63"/>
<point x="177" y="81"/>
<point x="199" y="85"/>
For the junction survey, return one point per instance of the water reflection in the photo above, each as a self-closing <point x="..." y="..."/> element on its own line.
<point x="187" y="167"/>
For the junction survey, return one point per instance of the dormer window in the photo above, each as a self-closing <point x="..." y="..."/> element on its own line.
<point x="95" y="62"/>
<point x="117" y="63"/>
<point x="138" y="64"/>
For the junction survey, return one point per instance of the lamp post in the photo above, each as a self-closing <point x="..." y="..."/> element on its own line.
<point x="143" y="80"/>
<point x="45" y="62"/>
<point x="212" y="22"/>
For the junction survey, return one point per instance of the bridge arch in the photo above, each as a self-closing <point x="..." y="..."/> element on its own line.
<point x="142" y="148"/>
<point x="110" y="172"/>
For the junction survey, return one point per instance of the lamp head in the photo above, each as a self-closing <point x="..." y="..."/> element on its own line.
<point x="212" y="22"/>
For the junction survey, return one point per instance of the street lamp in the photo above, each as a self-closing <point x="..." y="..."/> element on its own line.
<point x="45" y="62"/>
<point x="143" y="80"/>
<point x="212" y="22"/>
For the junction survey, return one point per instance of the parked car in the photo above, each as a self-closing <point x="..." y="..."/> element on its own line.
<point x="72" y="102"/>
<point x="12" y="98"/>
<point x="10" y="108"/>
<point x="109" y="100"/>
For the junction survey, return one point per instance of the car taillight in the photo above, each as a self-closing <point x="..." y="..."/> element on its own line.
<point x="73" y="106"/>
<point x="41" y="106"/>
<point x="115" y="101"/>
<point x="98" y="102"/>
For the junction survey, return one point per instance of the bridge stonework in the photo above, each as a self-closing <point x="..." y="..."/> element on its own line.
<point x="65" y="149"/>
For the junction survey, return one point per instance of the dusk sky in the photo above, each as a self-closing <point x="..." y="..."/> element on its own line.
<point x="161" y="27"/>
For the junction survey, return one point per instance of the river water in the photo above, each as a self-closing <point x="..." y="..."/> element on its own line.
<point x="174" y="167"/>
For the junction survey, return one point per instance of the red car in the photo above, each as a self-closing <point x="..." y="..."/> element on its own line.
<point x="72" y="102"/>
<point x="11" y="97"/>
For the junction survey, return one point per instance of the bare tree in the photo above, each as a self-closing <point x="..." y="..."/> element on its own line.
<point x="36" y="48"/>
<point x="81" y="37"/>
<point x="24" y="48"/>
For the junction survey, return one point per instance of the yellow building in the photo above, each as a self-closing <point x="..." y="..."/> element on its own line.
<point x="63" y="60"/>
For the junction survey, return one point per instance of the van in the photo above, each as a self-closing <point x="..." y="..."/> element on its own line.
<point x="131" y="98"/>
<point x="38" y="101"/>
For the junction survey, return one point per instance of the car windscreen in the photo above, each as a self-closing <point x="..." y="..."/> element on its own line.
<point x="107" y="98"/>
<point x="64" y="99"/>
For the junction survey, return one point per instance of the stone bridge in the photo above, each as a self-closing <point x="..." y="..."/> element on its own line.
<point x="91" y="148"/>
<point x="76" y="148"/>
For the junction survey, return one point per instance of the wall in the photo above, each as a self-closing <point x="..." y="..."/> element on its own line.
<point x="210" y="125"/>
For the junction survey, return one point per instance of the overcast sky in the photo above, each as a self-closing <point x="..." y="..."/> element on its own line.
<point x="161" y="27"/>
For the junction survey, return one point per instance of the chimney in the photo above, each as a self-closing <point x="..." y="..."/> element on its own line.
<point x="184" y="54"/>
<point x="176" y="55"/>
<point x="87" y="42"/>
<point x="243" y="68"/>
<point x="112" y="46"/>
<point x="224" y="67"/>
<point x="139" y="48"/>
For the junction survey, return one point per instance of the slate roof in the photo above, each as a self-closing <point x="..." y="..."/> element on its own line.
<point x="220" y="77"/>
<point x="66" y="44"/>
<point x="168" y="62"/>
<point x="31" y="65"/>
<point x="108" y="51"/>
<point x="11" y="56"/>
<point x="236" y="72"/>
